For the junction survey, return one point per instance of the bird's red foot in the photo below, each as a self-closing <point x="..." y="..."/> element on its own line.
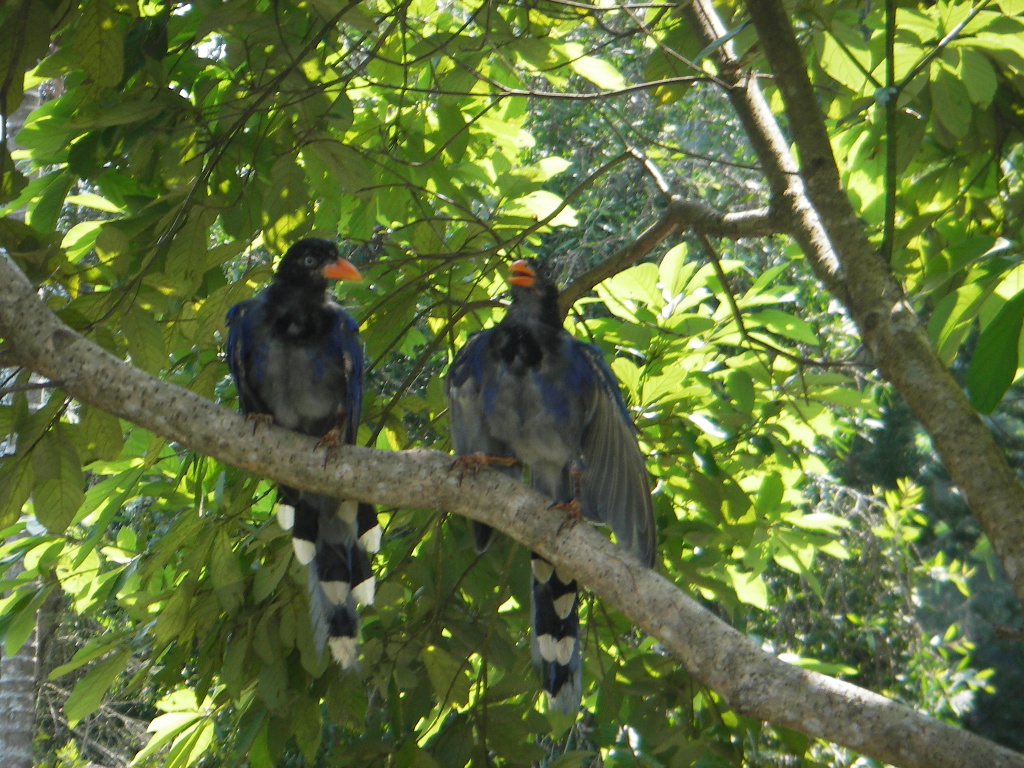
<point x="573" y="512"/>
<point x="330" y="442"/>
<point x="474" y="462"/>
<point x="259" y="418"/>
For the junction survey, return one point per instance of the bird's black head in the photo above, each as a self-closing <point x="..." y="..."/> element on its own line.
<point x="530" y="277"/>
<point x="311" y="262"/>
<point x="534" y="291"/>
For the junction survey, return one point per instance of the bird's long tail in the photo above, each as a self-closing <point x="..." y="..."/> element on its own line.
<point x="556" y="634"/>
<point x="334" y="539"/>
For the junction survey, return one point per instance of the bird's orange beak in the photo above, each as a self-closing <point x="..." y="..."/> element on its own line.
<point x="521" y="273"/>
<point x="342" y="269"/>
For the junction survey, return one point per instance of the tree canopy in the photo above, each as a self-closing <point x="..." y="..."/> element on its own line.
<point x="787" y="227"/>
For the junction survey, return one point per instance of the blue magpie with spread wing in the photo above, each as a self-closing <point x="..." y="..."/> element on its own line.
<point x="296" y="359"/>
<point x="525" y="392"/>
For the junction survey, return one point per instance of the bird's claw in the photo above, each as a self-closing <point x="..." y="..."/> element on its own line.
<point x="573" y="513"/>
<point x="259" y="418"/>
<point x="330" y="442"/>
<point x="474" y="462"/>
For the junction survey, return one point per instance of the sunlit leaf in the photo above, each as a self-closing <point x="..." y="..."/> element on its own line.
<point x="598" y="71"/>
<point x="994" y="363"/>
<point x="89" y="692"/>
<point x="951" y="100"/>
<point x="59" y="483"/>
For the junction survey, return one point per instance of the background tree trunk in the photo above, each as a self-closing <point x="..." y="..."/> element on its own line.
<point x="19" y="683"/>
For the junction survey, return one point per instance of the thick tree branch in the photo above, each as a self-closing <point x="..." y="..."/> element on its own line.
<point x="680" y="214"/>
<point x="755" y="683"/>
<point x="835" y="243"/>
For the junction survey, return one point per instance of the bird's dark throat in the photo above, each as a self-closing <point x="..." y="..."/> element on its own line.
<point x="519" y="347"/>
<point x="300" y="315"/>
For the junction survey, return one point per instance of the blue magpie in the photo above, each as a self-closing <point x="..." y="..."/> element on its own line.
<point x="297" y="361"/>
<point x="527" y="395"/>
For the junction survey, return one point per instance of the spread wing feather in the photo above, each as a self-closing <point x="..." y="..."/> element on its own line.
<point x="614" y="485"/>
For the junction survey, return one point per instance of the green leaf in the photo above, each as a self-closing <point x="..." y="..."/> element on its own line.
<point x="740" y="387"/>
<point x="707" y="426"/>
<point x="226" y="574"/>
<point x="576" y="758"/>
<point x="598" y="71"/>
<point x="270" y="574"/>
<point x="978" y="76"/>
<point x="45" y="208"/>
<point x="105" y="498"/>
<point x="175" y="614"/>
<point x="784" y="324"/>
<point x="233" y="673"/>
<point x="165" y="728"/>
<point x="1007" y="49"/>
<point x="954" y="316"/>
<point x="749" y="587"/>
<point x="98" y="436"/>
<point x="88" y="693"/>
<point x="950" y="101"/>
<point x="25" y="40"/>
<point x="718" y="42"/>
<point x="845" y="57"/>
<point x="98" y="646"/>
<point x="821" y="667"/>
<point x="285" y="217"/>
<point x="187" y="256"/>
<point x="191" y="744"/>
<point x="16" y="481"/>
<point x="12" y="181"/>
<point x="309" y="730"/>
<point x="273" y="684"/>
<point x="448" y="677"/>
<point x="81" y="239"/>
<point x="23" y="621"/>
<point x="116" y="114"/>
<point x="145" y="339"/>
<point x="675" y="271"/>
<point x="539" y="205"/>
<point x="769" y="497"/>
<point x="346" y="167"/>
<point x="59" y="487"/>
<point x="994" y="364"/>
<point x="99" y="41"/>
<point x="638" y="283"/>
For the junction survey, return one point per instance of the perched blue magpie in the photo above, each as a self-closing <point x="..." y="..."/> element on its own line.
<point x="296" y="360"/>
<point x="526" y="394"/>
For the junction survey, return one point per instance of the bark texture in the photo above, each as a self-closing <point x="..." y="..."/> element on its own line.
<point x="755" y="683"/>
<point x="18" y="700"/>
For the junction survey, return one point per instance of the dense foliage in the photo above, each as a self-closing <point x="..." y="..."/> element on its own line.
<point x="178" y="148"/>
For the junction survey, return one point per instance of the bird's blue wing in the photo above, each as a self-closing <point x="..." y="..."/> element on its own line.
<point x="344" y="346"/>
<point x="465" y="387"/>
<point x="241" y="354"/>
<point x="614" y="487"/>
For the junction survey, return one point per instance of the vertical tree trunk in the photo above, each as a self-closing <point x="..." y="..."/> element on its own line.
<point x="18" y="693"/>
<point x="19" y="682"/>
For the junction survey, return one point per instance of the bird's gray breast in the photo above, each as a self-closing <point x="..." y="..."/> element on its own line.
<point x="303" y="388"/>
<point x="531" y="411"/>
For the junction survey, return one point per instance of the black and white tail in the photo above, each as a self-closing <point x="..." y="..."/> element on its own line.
<point x="334" y="539"/>
<point x="556" y="634"/>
